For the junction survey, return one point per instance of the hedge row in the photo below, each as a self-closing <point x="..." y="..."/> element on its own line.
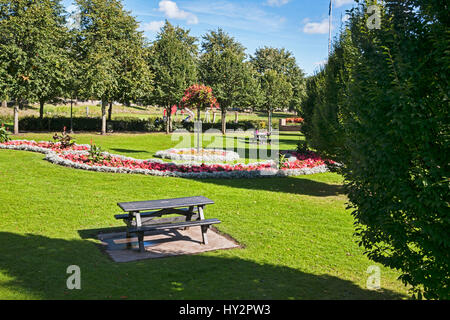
<point x="152" y="124"/>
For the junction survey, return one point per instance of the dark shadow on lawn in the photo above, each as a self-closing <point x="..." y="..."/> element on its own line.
<point x="298" y="185"/>
<point x="128" y="150"/>
<point x="37" y="265"/>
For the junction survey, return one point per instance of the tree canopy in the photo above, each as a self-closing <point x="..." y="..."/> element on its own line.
<point x="32" y="51"/>
<point x="283" y="62"/>
<point x="222" y="67"/>
<point x="173" y="60"/>
<point x="113" y="58"/>
<point x="380" y="107"/>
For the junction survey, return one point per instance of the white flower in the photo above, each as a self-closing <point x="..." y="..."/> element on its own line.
<point x="190" y="154"/>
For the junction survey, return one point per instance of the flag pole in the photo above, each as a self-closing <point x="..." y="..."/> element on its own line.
<point x="330" y="14"/>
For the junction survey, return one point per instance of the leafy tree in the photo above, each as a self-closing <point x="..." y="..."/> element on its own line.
<point x="251" y="95"/>
<point x="283" y="62"/>
<point x="388" y="88"/>
<point x="31" y="52"/>
<point x="112" y="53"/>
<point x="309" y="103"/>
<point x="326" y="95"/>
<point x="52" y="64"/>
<point x="74" y="83"/>
<point x="172" y="58"/>
<point x="397" y="119"/>
<point x="135" y="76"/>
<point x="276" y="91"/>
<point x="222" y="67"/>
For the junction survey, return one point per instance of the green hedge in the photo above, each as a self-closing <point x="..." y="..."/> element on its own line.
<point x="90" y="124"/>
<point x="152" y="124"/>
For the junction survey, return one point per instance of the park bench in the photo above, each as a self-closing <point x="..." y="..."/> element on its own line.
<point x="261" y="137"/>
<point x="140" y="220"/>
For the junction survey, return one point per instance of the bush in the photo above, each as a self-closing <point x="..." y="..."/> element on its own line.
<point x="4" y="134"/>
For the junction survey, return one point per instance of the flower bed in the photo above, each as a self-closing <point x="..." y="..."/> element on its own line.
<point x="41" y="146"/>
<point x="77" y="157"/>
<point x="294" y="120"/>
<point x="191" y="154"/>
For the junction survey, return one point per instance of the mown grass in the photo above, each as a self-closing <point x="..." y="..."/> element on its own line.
<point x="297" y="235"/>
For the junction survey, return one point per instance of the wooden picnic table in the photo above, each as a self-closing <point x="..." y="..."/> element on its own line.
<point x="140" y="220"/>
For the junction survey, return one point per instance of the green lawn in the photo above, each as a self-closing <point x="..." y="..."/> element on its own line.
<point x="297" y="235"/>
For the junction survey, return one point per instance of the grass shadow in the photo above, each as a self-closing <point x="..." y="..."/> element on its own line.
<point x="297" y="185"/>
<point x="128" y="150"/>
<point x="36" y="266"/>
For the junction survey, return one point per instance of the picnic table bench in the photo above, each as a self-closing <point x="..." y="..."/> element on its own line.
<point x="140" y="220"/>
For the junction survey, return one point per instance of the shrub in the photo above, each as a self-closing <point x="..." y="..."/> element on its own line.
<point x="4" y="134"/>
<point x="302" y="147"/>
<point x="65" y="140"/>
<point x="96" y="154"/>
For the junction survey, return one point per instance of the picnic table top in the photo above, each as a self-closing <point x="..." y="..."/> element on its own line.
<point x="164" y="204"/>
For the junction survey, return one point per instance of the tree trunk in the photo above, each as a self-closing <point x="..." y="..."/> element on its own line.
<point x="41" y="109"/>
<point x="4" y="104"/>
<point x="224" y="121"/>
<point x="236" y="117"/>
<point x="104" y="103"/>
<point x="110" y="111"/>
<point x="71" y="115"/>
<point x="16" y="119"/>
<point x="167" y="120"/>
<point x="270" y="120"/>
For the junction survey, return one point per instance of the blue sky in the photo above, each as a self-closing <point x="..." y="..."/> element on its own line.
<point x="300" y="26"/>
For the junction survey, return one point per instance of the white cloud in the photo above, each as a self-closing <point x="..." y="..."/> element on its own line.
<point x="171" y="10"/>
<point x="153" y="26"/>
<point x="316" y="27"/>
<point x="242" y="15"/>
<point x="277" y="3"/>
<point x="340" y="3"/>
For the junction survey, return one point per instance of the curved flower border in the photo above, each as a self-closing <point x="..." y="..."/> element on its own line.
<point x="173" y="154"/>
<point x="193" y="170"/>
